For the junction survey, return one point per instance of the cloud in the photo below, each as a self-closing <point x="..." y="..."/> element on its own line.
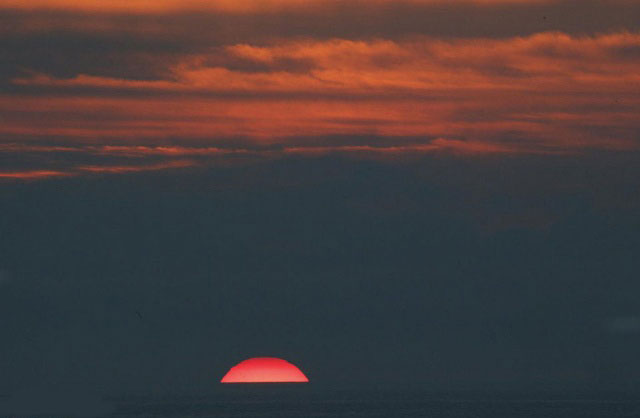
<point x="134" y="168"/>
<point x="545" y="93"/>
<point x="246" y="6"/>
<point x="145" y="84"/>
<point x="31" y="174"/>
<point x="356" y="67"/>
<point x="83" y="160"/>
<point x="321" y="19"/>
<point x="73" y="171"/>
<point x="146" y="6"/>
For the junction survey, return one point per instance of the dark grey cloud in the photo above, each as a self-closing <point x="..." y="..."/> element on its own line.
<point x="65" y="54"/>
<point x="359" y="271"/>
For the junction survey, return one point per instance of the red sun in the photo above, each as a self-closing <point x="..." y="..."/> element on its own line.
<point x="264" y="370"/>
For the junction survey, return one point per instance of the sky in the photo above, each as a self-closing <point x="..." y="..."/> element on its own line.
<point x="429" y="192"/>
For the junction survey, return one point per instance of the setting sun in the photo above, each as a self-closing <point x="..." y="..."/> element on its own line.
<point x="264" y="370"/>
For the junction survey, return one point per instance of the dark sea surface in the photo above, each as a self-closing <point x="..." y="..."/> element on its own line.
<point x="298" y="401"/>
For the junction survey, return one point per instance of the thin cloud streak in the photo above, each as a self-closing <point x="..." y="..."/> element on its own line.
<point x="31" y="174"/>
<point x="117" y="169"/>
<point x="135" y="159"/>
<point x="240" y="6"/>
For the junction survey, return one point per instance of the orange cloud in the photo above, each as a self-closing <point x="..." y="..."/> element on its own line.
<point x="118" y="169"/>
<point x="437" y="145"/>
<point x="409" y="68"/>
<point x="31" y="174"/>
<point x="28" y="175"/>
<point x="547" y="93"/>
<point x="222" y="5"/>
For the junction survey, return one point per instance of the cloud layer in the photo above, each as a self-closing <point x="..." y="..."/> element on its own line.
<point x="154" y="76"/>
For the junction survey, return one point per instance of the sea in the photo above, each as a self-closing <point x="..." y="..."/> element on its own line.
<point x="288" y="401"/>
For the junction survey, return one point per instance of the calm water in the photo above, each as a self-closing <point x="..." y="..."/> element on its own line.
<point x="298" y="402"/>
<point x="290" y="402"/>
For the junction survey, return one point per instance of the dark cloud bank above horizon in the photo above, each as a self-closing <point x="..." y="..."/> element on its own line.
<point x="507" y="273"/>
